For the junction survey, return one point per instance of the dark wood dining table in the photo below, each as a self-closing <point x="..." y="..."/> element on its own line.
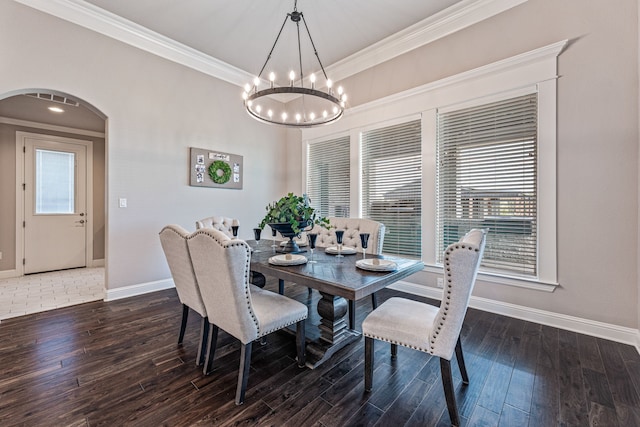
<point x="337" y="280"/>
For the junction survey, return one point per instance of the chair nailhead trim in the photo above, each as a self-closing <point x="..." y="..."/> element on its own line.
<point x="425" y="350"/>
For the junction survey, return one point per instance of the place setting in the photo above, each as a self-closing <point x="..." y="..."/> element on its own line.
<point x="339" y="251"/>
<point x="373" y="264"/>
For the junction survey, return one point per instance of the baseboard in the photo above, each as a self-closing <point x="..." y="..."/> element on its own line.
<point x="8" y="274"/>
<point x="97" y="263"/>
<point x="140" y="289"/>
<point x="576" y="324"/>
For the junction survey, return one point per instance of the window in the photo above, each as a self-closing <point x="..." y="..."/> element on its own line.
<point x="55" y="182"/>
<point x="392" y="185"/>
<point x="328" y="177"/>
<point x="487" y="159"/>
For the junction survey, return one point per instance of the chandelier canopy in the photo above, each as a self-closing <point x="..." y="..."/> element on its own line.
<point x="293" y="104"/>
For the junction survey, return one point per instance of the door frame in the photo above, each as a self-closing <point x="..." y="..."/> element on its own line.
<point x="20" y="214"/>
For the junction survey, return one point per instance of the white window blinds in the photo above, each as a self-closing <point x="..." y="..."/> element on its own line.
<point x="328" y="177"/>
<point x="487" y="178"/>
<point x="392" y="185"/>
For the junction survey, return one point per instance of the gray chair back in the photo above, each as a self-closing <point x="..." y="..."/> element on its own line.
<point x="222" y="269"/>
<point x="220" y="223"/>
<point x="352" y="228"/>
<point x="173" y="239"/>
<point x="461" y="264"/>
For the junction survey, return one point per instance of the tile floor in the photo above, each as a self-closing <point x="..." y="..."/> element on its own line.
<point x="46" y="291"/>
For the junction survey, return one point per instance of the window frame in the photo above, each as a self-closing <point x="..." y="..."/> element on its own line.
<point x="533" y="70"/>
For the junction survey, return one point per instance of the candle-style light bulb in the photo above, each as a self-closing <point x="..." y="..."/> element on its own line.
<point x="312" y="116"/>
<point x="340" y="90"/>
<point x="250" y="103"/>
<point x="335" y="110"/>
<point x="344" y="97"/>
<point x="292" y="76"/>
<point x="258" y="109"/>
<point x="312" y="79"/>
<point x="325" y="114"/>
<point x="245" y="95"/>
<point x="270" y="113"/>
<point x="329" y="83"/>
<point x="298" y="117"/>
<point x="284" y="116"/>
<point x="256" y="82"/>
<point x="272" y="77"/>
<point x="247" y="87"/>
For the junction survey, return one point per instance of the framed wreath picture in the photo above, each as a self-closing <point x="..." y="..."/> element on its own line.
<point x="215" y="169"/>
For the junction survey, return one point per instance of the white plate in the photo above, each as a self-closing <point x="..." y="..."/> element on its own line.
<point x="287" y="259"/>
<point x="375" y="264"/>
<point x="346" y="250"/>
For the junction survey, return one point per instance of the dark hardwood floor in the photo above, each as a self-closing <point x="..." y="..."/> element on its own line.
<point x="118" y="364"/>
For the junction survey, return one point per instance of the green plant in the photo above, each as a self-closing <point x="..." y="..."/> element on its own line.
<point x="294" y="210"/>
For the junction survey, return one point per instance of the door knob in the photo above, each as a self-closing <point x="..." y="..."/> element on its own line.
<point x="81" y="221"/>
<point x="81" y="213"/>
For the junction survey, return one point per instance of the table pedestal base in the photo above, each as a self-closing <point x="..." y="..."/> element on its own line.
<point x="334" y="331"/>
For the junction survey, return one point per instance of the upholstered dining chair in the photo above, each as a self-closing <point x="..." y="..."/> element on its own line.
<point x="234" y="305"/>
<point x="224" y="224"/>
<point x="352" y="228"/>
<point x="220" y="223"/>
<point x="173" y="239"/>
<point x="427" y="328"/>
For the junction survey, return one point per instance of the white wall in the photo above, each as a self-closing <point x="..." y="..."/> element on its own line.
<point x="597" y="142"/>
<point x="156" y="109"/>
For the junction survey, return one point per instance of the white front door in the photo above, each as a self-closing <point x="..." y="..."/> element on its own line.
<point x="55" y="213"/>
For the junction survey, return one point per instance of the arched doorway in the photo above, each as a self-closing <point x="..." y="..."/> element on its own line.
<point x="27" y="118"/>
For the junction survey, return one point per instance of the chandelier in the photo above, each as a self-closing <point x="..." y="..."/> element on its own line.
<point x="293" y="104"/>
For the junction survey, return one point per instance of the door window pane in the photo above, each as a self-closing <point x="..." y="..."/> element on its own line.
<point x="55" y="182"/>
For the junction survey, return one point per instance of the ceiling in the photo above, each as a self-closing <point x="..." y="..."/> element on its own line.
<point x="230" y="40"/>
<point x="242" y="32"/>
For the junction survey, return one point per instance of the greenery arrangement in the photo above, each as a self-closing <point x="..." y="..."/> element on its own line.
<point x="220" y="172"/>
<point x="294" y="210"/>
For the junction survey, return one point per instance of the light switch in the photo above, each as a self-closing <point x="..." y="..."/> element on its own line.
<point x="123" y="203"/>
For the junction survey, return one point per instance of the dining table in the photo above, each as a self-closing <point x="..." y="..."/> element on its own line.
<point x="338" y="280"/>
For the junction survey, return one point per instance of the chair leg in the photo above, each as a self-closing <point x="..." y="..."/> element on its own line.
<point x="461" y="365"/>
<point x="352" y="314"/>
<point x="281" y="286"/>
<point x="301" y="343"/>
<point x="183" y="325"/>
<point x="204" y="336"/>
<point x="243" y="374"/>
<point x="310" y="291"/>
<point x="211" y="349"/>
<point x="374" y="300"/>
<point x="368" y="363"/>
<point x="394" y="351"/>
<point x="449" y="392"/>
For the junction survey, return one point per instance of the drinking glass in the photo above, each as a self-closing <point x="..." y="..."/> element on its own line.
<point x="256" y="235"/>
<point x="312" y="244"/>
<point x="364" y="240"/>
<point x="273" y="236"/>
<point x="339" y="234"/>
<point x="234" y="230"/>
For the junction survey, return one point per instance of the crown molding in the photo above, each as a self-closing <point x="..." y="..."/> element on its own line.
<point x="455" y="18"/>
<point x="450" y="20"/>
<point x="106" y="23"/>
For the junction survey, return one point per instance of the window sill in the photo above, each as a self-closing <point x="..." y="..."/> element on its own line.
<point x="520" y="282"/>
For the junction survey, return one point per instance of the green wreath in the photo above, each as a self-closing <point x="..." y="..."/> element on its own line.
<point x="220" y="172"/>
